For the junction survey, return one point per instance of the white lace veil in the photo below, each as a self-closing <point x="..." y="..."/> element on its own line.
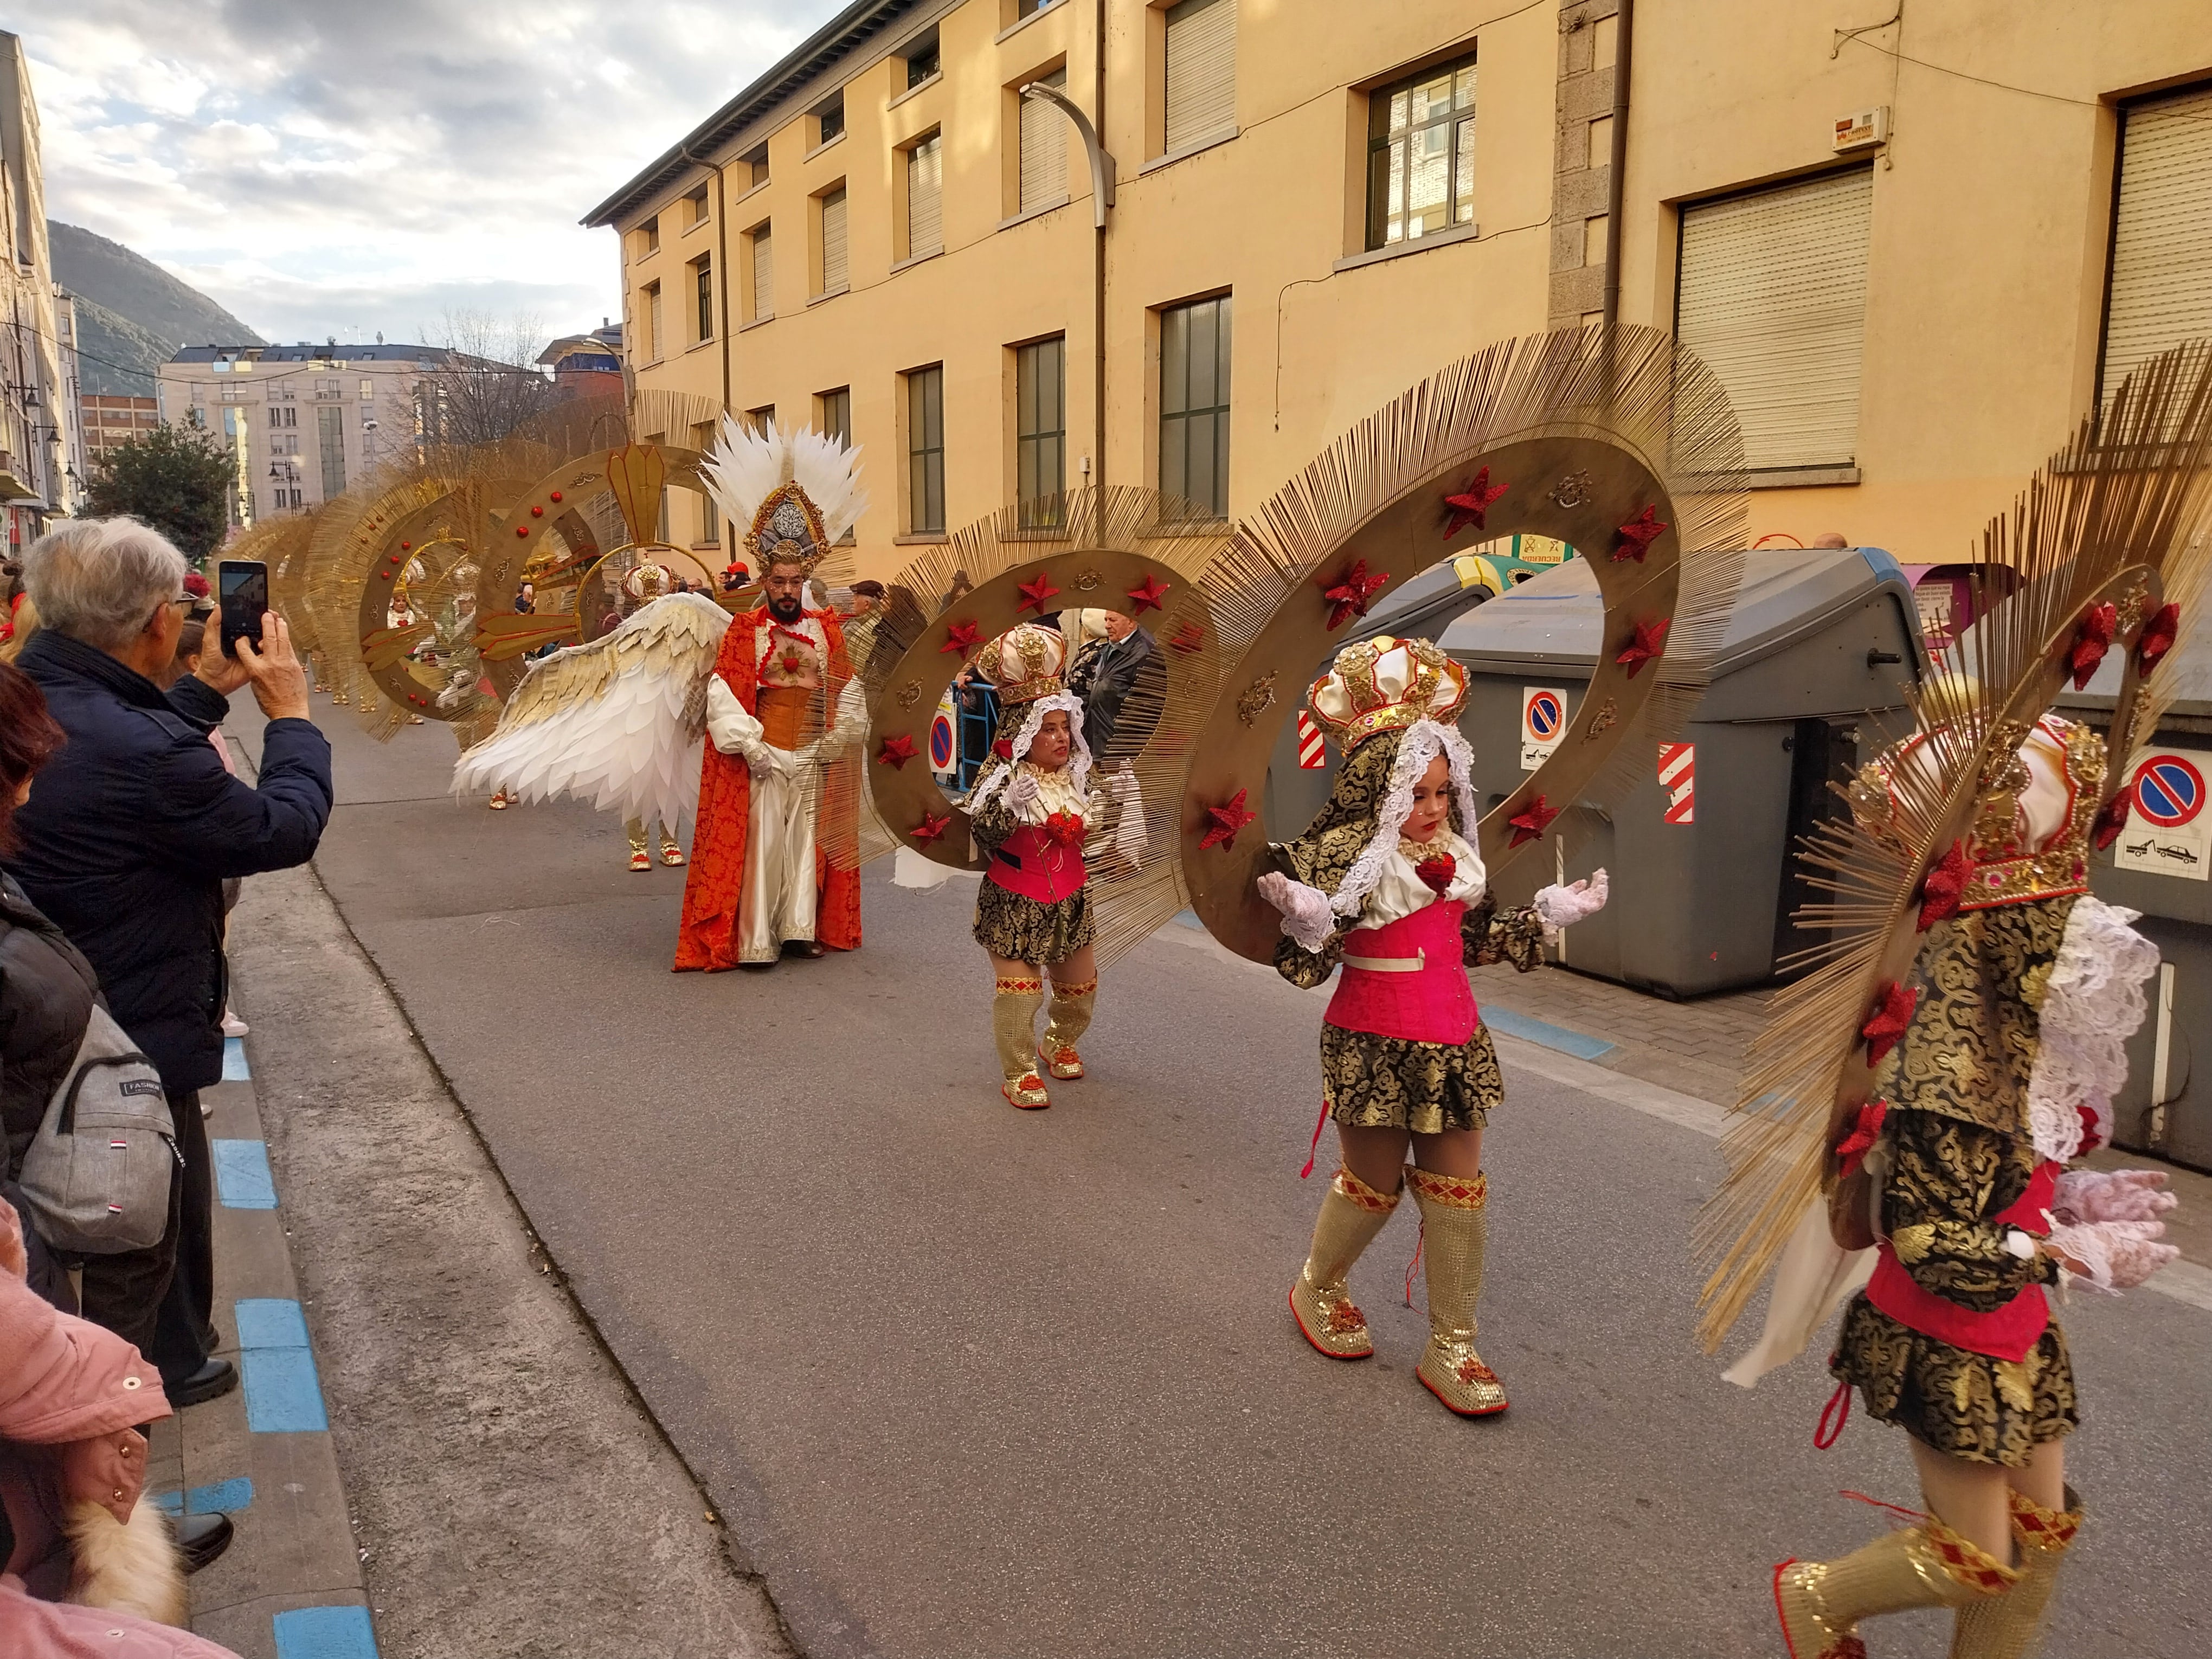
<point x="1079" y="751"/>
<point x="1423" y="740"/>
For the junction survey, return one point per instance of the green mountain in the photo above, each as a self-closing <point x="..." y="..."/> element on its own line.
<point x="131" y="314"/>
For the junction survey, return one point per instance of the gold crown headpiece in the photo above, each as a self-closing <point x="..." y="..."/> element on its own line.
<point x="1386" y="684"/>
<point x="1025" y="662"/>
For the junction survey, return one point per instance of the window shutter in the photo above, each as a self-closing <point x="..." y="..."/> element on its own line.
<point x="763" y="276"/>
<point x="2162" y="288"/>
<point x="833" y="241"/>
<point x="1201" y="71"/>
<point x="1044" y="148"/>
<point x="1773" y="297"/>
<point x="925" y="197"/>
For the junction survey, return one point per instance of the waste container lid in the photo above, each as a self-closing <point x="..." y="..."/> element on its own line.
<point x="1556" y="619"/>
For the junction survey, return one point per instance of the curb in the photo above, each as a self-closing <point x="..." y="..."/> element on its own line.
<point x="289" y="1587"/>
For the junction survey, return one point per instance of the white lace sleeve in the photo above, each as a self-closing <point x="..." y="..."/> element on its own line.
<point x="2091" y="1006"/>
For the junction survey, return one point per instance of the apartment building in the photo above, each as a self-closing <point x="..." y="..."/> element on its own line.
<point x="38" y="400"/>
<point x="111" y="419"/>
<point x="302" y="422"/>
<point x="1916" y="251"/>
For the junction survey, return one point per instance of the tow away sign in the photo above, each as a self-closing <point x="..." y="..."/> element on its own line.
<point x="1543" y="723"/>
<point x="2165" y="833"/>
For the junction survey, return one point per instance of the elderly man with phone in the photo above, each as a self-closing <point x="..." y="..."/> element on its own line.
<point x="125" y="843"/>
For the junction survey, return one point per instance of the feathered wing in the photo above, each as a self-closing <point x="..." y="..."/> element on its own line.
<point x="616" y="723"/>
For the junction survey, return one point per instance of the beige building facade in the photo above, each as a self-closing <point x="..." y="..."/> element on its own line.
<point x="1915" y="252"/>
<point x="39" y="480"/>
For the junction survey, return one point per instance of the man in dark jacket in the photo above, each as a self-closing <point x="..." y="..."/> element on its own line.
<point x="128" y="835"/>
<point x="1122" y="683"/>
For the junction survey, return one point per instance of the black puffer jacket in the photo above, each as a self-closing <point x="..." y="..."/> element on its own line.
<point x="46" y="994"/>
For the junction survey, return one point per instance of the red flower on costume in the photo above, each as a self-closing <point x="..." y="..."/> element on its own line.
<point x="895" y="752"/>
<point x="1004" y="749"/>
<point x="1065" y="827"/>
<point x="1035" y="593"/>
<point x="1472" y="506"/>
<point x="960" y="636"/>
<point x="2092" y="640"/>
<point x="1436" y="872"/>
<point x="1650" y="642"/>
<point x="1892" y="1012"/>
<point x="1531" y="821"/>
<point x="1147" y="595"/>
<point x="1633" y="539"/>
<point x="1227" y="820"/>
<point x="2158" y="636"/>
<point x="931" y="829"/>
<point x="1348" y="594"/>
<point x="1851" y="1150"/>
<point x="1943" y="886"/>
<point x="2112" y="818"/>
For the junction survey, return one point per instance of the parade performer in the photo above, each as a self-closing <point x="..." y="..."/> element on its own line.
<point x="1031" y="811"/>
<point x="648" y="581"/>
<point x="1387" y="885"/>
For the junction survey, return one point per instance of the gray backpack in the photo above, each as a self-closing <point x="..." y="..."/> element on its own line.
<point x="97" y="1176"/>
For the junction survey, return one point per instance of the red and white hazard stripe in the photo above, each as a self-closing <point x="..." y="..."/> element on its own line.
<point x="1678" y="777"/>
<point x="1313" y="754"/>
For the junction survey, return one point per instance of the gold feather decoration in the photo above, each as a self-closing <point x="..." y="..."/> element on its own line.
<point x="2122" y="516"/>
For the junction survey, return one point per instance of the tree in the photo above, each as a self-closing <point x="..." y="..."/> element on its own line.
<point x="489" y="383"/>
<point x="178" y="479"/>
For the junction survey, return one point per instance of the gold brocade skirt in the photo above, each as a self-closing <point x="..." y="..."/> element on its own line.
<point x="1964" y="1404"/>
<point x="1374" y="1082"/>
<point x="1016" y="928"/>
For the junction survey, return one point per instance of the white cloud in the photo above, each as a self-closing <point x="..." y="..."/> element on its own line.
<point x="338" y="168"/>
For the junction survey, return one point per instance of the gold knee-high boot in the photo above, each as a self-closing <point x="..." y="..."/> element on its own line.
<point x="2004" y="1626"/>
<point x="1071" y="1018"/>
<point x="672" y="850"/>
<point x="1352" y="1213"/>
<point x="1014" y="1005"/>
<point x="1454" y="1222"/>
<point x="1923" y="1565"/>
<point x="639" y="859"/>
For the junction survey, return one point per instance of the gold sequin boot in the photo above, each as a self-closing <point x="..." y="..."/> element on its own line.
<point x="672" y="850"/>
<point x="639" y="859"/>
<point x="1014" y="1007"/>
<point x="1352" y="1213"/>
<point x="1454" y="1222"/>
<point x="1071" y="1018"/>
<point x="2005" y="1627"/>
<point x="1924" y="1565"/>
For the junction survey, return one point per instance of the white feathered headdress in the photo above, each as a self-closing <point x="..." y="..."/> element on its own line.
<point x="794" y="493"/>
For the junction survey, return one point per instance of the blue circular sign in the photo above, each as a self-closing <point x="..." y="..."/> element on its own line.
<point x="2169" y="791"/>
<point x="1544" y="715"/>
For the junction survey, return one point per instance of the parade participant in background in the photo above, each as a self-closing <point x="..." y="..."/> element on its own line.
<point x="1386" y="883"/>
<point x="1031" y="811"/>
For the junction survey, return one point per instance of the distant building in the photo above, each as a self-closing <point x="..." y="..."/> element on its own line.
<point x="76" y="460"/>
<point x="110" y="420"/>
<point x="586" y="365"/>
<point x="303" y="422"/>
<point x="37" y="397"/>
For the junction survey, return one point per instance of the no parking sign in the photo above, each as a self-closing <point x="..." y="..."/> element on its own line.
<point x="1543" y="723"/>
<point x="2165" y="833"/>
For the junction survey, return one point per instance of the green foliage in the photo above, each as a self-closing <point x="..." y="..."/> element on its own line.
<point x="177" y="478"/>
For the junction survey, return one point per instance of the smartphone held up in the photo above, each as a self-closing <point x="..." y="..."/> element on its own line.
<point x="242" y="596"/>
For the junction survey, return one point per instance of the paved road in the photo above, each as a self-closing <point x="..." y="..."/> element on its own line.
<point x="973" y="1382"/>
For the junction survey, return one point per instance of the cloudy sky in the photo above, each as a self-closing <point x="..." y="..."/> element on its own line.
<point x="341" y="167"/>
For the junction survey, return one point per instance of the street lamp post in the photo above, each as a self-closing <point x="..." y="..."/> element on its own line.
<point x="1101" y="198"/>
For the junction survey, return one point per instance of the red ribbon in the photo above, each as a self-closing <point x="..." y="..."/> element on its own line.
<point x="1823" y="1434"/>
<point x="1313" y="1151"/>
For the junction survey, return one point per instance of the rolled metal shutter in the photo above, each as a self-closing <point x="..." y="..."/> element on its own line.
<point x="764" y="275"/>
<point x="2161" y="286"/>
<point x="833" y="241"/>
<point x="925" y="197"/>
<point x="1044" y="148"/>
<point x="1771" y="295"/>
<point x="1201" y="71"/>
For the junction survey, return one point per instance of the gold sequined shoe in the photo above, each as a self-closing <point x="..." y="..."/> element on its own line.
<point x="1352" y="1213"/>
<point x="1455" y="1224"/>
<point x="1014" y="1005"/>
<point x="2005" y="1627"/>
<point x="1924" y="1565"/>
<point x="671" y="853"/>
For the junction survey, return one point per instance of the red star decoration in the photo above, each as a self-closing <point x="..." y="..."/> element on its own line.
<point x="2092" y="640"/>
<point x="1650" y="642"/>
<point x="1348" y="594"/>
<point x="931" y="829"/>
<point x="1472" y="506"/>
<point x="2112" y="819"/>
<point x="1147" y="596"/>
<point x="1633" y="539"/>
<point x="1227" y="820"/>
<point x="895" y="752"/>
<point x="1892" y="1012"/>
<point x="961" y="637"/>
<point x="1531" y="821"/>
<point x="1852" y="1149"/>
<point x="2158" y="636"/>
<point x="1189" y="637"/>
<point x="1942" y="887"/>
<point x="1033" y="594"/>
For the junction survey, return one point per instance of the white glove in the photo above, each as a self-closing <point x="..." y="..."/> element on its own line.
<point x="1562" y="907"/>
<point x="1306" y="916"/>
<point x="2116" y="1255"/>
<point x="765" y="760"/>
<point x="2091" y="1195"/>
<point x="1023" y="798"/>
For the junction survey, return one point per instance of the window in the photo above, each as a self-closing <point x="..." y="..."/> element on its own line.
<point x="753" y="168"/>
<point x="830" y="119"/>
<point x="1201" y="72"/>
<point x="1420" y="156"/>
<point x="925" y="450"/>
<point x="1771" y="294"/>
<point x="2160" y="292"/>
<point x="368" y="388"/>
<point x="834" y="414"/>
<point x="1041" y="428"/>
<point x="330" y="430"/>
<point x="925" y="193"/>
<point x="1044" y="147"/>
<point x="834" y="272"/>
<point x="702" y="292"/>
<point x="1030" y="8"/>
<point x="695" y="208"/>
<point x="653" y="336"/>
<point x="761" y="419"/>
<point x="710" y="524"/>
<point x="275" y="416"/>
<point x="649" y="234"/>
<point x="922" y="60"/>
<point x="763" y="276"/>
<point x="1194" y="405"/>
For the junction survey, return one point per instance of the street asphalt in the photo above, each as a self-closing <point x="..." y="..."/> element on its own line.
<point x="970" y="1382"/>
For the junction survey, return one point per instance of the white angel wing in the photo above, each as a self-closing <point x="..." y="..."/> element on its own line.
<point x="615" y="722"/>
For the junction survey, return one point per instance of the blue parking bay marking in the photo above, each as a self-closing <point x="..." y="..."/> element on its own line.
<point x="223" y="1498"/>
<point x="233" y="1060"/>
<point x="325" y="1633"/>
<point x="241" y="1174"/>
<point x="1543" y="1033"/>
<point x="284" y="1395"/>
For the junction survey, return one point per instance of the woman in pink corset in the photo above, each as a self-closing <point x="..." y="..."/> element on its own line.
<point x="1385" y="886"/>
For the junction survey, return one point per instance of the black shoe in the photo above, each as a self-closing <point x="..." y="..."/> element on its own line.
<point x="201" y="1539"/>
<point x="805" y="949"/>
<point x="214" y="1379"/>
